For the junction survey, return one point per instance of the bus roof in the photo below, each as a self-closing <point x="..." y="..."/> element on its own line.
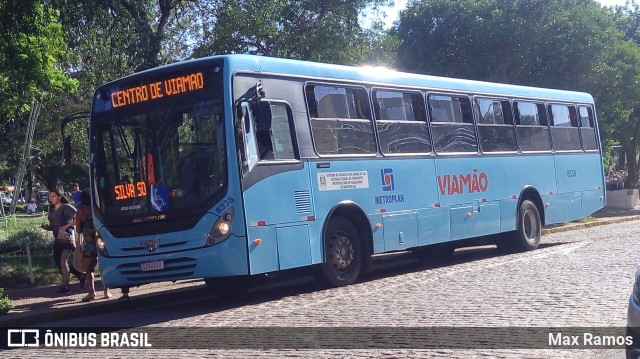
<point x="381" y="75"/>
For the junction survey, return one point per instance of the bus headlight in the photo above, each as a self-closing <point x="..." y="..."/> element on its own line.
<point x="221" y="229"/>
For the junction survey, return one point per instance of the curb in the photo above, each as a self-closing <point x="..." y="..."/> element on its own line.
<point x="115" y="305"/>
<point x="599" y="222"/>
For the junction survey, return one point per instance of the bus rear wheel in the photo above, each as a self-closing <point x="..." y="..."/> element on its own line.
<point x="342" y="253"/>
<point x="528" y="230"/>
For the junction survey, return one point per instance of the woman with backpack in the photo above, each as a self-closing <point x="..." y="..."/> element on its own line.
<point x="84" y="224"/>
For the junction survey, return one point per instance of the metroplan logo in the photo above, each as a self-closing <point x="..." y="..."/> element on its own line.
<point x="386" y="175"/>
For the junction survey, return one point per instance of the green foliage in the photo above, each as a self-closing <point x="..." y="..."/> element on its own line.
<point x="14" y="271"/>
<point x="23" y="231"/>
<point x="31" y="49"/>
<point x="326" y="31"/>
<point x="5" y="302"/>
<point x="39" y="241"/>
<point x="539" y="43"/>
<point x="33" y="55"/>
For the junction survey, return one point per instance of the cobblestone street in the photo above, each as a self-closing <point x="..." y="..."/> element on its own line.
<point x="580" y="278"/>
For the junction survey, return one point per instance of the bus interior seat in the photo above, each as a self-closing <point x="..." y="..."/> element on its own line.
<point x="333" y="106"/>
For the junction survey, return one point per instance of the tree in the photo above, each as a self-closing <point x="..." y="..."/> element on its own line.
<point x="537" y="42"/>
<point x="320" y="30"/>
<point x="619" y="85"/>
<point x="32" y="57"/>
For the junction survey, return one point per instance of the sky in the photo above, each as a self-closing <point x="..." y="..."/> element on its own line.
<point x="392" y="12"/>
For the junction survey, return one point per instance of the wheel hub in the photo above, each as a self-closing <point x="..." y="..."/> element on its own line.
<point x="343" y="252"/>
<point x="528" y="224"/>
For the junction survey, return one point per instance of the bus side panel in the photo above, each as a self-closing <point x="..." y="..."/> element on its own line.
<point x="293" y="246"/>
<point x="433" y="226"/>
<point x="263" y="256"/>
<point x="508" y="211"/>
<point x="278" y="208"/>
<point x="472" y="187"/>
<point x="394" y="193"/>
<point x="575" y="174"/>
<point x="535" y="171"/>
<point x="461" y="222"/>
<point x="400" y="231"/>
<point x="592" y="201"/>
<point x="486" y="218"/>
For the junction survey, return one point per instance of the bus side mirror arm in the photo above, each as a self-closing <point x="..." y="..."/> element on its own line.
<point x="66" y="140"/>
<point x="264" y="116"/>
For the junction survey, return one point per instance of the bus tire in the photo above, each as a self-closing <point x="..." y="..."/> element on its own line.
<point x="229" y="287"/>
<point x="528" y="230"/>
<point x="343" y="254"/>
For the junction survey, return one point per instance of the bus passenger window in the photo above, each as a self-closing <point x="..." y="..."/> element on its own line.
<point x="587" y="128"/>
<point x="565" y="135"/>
<point x="532" y="131"/>
<point x="452" y="124"/>
<point x="401" y="123"/>
<point x="495" y="126"/>
<point x="341" y="120"/>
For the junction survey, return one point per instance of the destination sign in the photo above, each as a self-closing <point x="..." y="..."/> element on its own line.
<point x="158" y="89"/>
<point x="129" y="190"/>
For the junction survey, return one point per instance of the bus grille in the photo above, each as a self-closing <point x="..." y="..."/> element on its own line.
<point x="303" y="202"/>
<point x="162" y="246"/>
<point x="174" y="268"/>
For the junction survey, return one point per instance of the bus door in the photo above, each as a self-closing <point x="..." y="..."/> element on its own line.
<point x="277" y="199"/>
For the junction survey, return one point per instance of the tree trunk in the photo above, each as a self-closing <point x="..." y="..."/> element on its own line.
<point x="632" y="164"/>
<point x="631" y="151"/>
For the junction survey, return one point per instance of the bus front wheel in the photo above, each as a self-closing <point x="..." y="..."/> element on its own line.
<point x="342" y="253"/>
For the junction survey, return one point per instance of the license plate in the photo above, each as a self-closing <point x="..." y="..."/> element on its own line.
<point x="154" y="265"/>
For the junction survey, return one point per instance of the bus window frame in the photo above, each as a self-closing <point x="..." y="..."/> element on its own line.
<point x="292" y="133"/>
<point x="476" y="119"/>
<point x="377" y="120"/>
<point x="593" y="122"/>
<point x="305" y="87"/>
<point x="469" y="97"/>
<point x="250" y="149"/>
<point x="536" y="102"/>
<point x="552" y="125"/>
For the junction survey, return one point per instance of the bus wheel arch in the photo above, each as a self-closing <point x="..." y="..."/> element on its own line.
<point x="531" y="194"/>
<point x="347" y="243"/>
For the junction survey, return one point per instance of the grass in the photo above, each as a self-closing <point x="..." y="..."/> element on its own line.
<point x="14" y="267"/>
<point x="13" y="224"/>
<point x="14" y="271"/>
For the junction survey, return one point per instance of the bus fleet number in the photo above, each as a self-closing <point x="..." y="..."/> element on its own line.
<point x="571" y="173"/>
<point x="224" y="205"/>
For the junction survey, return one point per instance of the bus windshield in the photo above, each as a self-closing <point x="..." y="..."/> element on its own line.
<point x="159" y="160"/>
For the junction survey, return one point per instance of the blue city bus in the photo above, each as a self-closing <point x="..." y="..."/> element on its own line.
<point x="233" y="166"/>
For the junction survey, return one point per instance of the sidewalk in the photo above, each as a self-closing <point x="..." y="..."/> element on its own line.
<point x="42" y="304"/>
